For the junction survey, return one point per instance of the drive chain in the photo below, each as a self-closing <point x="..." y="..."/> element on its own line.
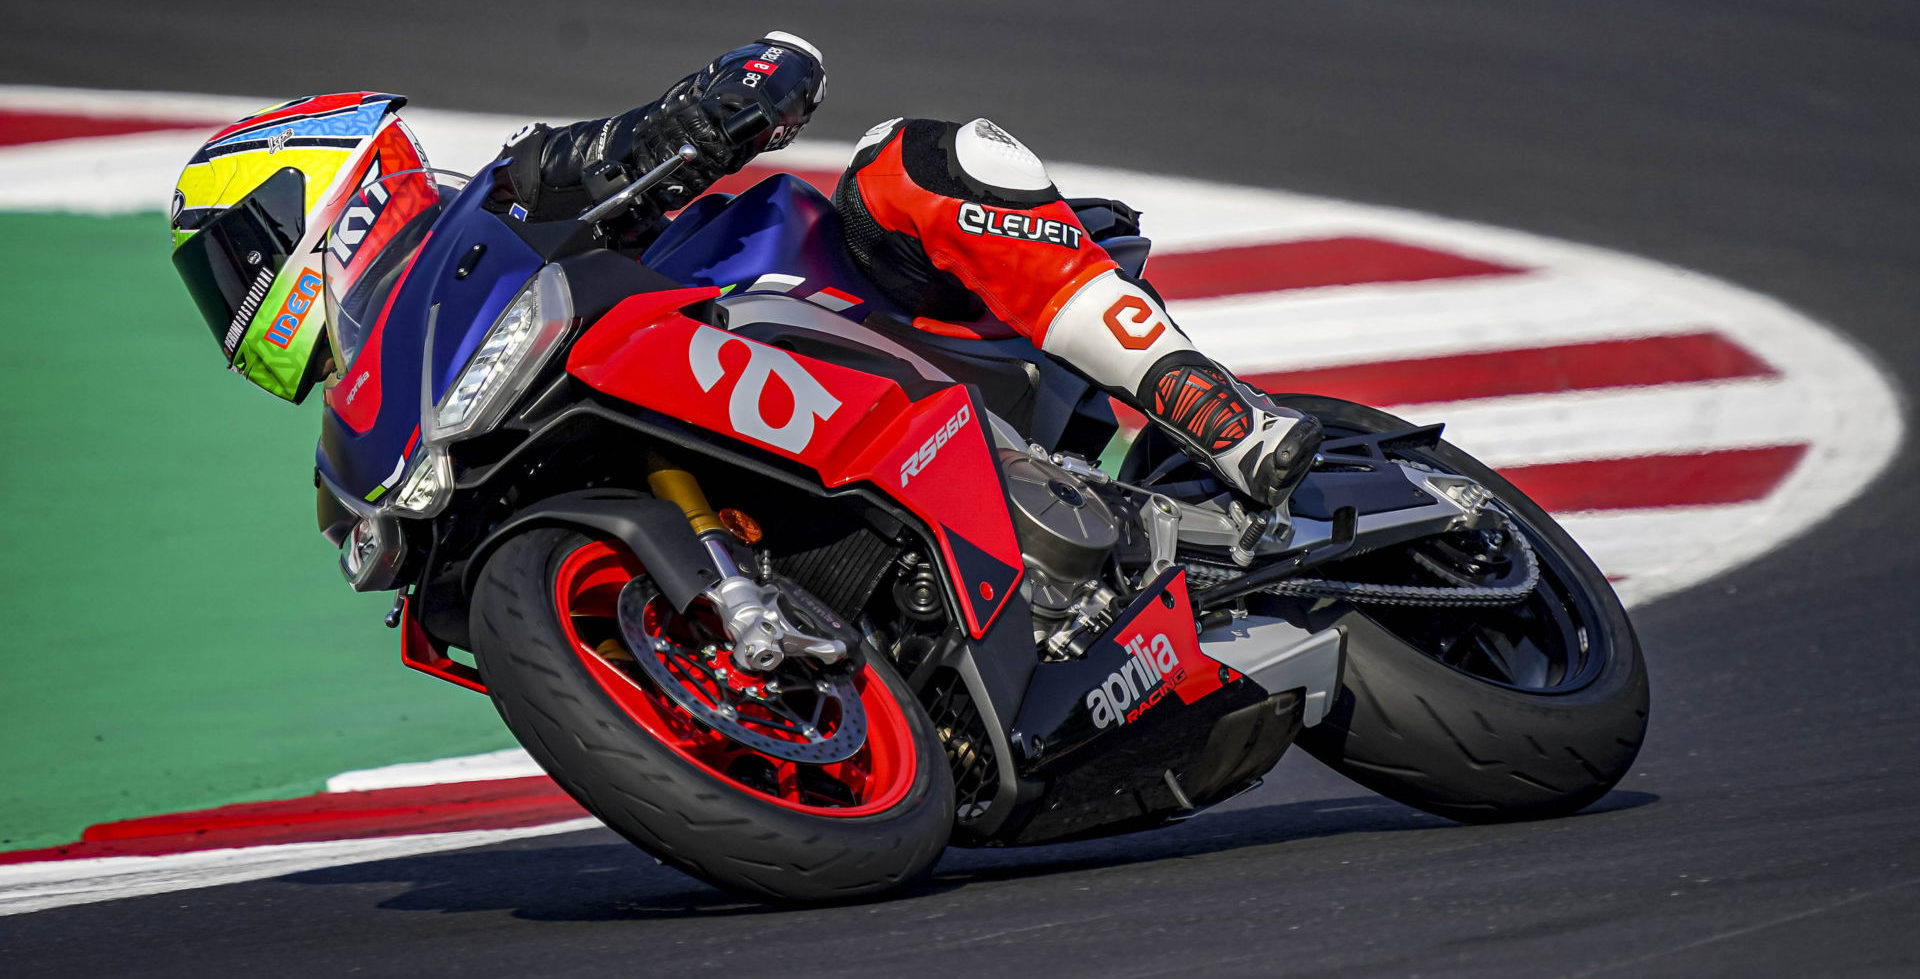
<point x="1368" y="593"/>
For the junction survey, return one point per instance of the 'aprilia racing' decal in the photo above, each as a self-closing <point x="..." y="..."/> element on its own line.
<point x="1162" y="657"/>
<point x="1152" y="669"/>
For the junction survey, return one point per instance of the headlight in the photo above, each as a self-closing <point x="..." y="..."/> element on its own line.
<point x="426" y="489"/>
<point x="373" y="554"/>
<point x="510" y="354"/>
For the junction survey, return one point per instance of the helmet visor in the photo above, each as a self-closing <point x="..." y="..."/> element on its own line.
<point x="229" y="264"/>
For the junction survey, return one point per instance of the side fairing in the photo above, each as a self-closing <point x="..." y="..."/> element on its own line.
<point x="1149" y="654"/>
<point x="931" y="455"/>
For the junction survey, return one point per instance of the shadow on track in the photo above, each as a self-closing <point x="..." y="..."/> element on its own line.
<point x="615" y="881"/>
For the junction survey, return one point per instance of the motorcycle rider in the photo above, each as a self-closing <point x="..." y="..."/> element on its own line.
<point x="946" y="219"/>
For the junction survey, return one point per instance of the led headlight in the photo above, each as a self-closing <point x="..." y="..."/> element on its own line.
<point x="426" y="489"/>
<point x="373" y="553"/>
<point x="508" y="357"/>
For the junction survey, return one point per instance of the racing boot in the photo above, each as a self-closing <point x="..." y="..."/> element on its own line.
<point x="557" y="173"/>
<point x="1253" y="445"/>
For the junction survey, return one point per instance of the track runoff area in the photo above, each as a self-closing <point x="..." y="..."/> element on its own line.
<point x="1677" y="425"/>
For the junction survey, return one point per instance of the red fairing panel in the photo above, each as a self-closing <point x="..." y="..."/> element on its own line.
<point x="847" y="425"/>
<point x="1165" y="629"/>
<point x="1165" y="658"/>
<point x="646" y="352"/>
<point x="936" y="459"/>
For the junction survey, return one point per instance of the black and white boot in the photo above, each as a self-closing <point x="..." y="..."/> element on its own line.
<point x="1253" y="445"/>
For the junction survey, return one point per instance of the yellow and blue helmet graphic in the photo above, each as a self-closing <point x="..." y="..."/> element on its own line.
<point x="249" y="219"/>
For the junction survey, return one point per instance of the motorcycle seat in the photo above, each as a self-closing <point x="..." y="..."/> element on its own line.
<point x="984" y="328"/>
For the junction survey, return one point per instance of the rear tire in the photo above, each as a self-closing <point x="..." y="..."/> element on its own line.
<point x="680" y="811"/>
<point x="1438" y="738"/>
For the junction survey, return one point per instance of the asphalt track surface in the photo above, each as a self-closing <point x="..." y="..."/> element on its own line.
<point x="1770" y="826"/>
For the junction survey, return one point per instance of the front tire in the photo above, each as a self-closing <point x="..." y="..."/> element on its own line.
<point x="1427" y="719"/>
<point x="616" y="746"/>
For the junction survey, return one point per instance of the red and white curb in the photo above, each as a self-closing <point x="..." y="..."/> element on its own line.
<point x="1677" y="425"/>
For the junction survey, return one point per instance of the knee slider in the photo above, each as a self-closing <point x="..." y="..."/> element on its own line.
<point x="999" y="163"/>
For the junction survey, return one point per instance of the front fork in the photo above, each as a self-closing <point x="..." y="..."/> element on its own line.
<point x="750" y="612"/>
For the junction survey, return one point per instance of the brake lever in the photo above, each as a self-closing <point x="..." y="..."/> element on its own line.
<point x="646" y="181"/>
<point x="744" y="125"/>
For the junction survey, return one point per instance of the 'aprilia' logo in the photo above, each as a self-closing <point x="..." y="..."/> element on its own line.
<point x="976" y="219"/>
<point x="811" y="399"/>
<point x="1150" y="671"/>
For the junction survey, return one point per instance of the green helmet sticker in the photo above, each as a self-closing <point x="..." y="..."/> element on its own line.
<point x="280" y="340"/>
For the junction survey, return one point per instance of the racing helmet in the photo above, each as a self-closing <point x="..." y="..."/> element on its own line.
<point x="250" y="216"/>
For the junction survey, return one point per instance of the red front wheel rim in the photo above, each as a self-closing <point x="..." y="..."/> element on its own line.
<point x="586" y="592"/>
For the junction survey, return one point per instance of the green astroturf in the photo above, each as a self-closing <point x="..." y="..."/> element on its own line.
<point x="174" y="632"/>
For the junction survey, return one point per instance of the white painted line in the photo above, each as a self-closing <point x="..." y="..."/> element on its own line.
<point x="509" y="763"/>
<point x="1636" y="543"/>
<point x="38" y="886"/>
<point x="1358" y="324"/>
<point x="1668" y="419"/>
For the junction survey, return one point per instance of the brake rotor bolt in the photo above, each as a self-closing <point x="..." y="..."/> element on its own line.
<point x="720" y="673"/>
<point x="822" y="686"/>
<point x="810" y="731"/>
<point x="772" y="687"/>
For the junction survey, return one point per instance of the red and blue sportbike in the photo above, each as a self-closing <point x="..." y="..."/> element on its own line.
<point x="792" y="594"/>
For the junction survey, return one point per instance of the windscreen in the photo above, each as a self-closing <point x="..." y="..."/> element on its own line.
<point x="371" y="246"/>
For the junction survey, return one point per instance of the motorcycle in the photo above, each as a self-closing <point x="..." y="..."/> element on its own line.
<point x="793" y="591"/>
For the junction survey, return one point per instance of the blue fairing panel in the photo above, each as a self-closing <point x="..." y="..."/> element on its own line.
<point x="781" y="225"/>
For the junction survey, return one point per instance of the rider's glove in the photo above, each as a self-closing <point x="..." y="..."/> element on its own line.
<point x="749" y="100"/>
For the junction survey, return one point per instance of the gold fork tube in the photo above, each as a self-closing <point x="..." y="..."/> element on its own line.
<point x="672" y="483"/>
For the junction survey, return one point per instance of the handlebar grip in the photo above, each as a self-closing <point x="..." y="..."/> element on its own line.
<point x="746" y="124"/>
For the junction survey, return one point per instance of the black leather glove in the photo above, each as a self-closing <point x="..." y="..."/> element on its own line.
<point x="747" y="101"/>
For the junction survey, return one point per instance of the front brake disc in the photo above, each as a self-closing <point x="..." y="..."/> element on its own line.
<point x="794" y="708"/>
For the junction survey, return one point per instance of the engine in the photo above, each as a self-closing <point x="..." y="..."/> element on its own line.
<point x="1067" y="535"/>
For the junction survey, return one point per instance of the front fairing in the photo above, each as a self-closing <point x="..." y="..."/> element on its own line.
<point x="465" y="274"/>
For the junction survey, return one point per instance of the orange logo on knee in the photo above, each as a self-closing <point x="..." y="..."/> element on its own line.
<point x="1137" y="312"/>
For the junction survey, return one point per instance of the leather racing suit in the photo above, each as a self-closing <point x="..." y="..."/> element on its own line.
<point x="946" y="219"/>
